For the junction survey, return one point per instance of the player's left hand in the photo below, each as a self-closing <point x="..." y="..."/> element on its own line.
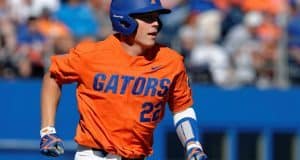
<point x="51" y="145"/>
<point x="196" y="154"/>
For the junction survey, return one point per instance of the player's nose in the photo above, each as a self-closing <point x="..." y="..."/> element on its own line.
<point x="155" y="23"/>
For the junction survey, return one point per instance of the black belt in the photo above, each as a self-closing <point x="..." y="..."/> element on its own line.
<point x="123" y="158"/>
<point x="104" y="154"/>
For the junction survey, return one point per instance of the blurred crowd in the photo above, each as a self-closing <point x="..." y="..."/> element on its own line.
<point x="224" y="42"/>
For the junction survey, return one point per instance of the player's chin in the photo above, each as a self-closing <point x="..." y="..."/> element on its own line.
<point x="150" y="42"/>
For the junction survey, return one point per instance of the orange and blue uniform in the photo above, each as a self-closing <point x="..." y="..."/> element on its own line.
<point x="121" y="98"/>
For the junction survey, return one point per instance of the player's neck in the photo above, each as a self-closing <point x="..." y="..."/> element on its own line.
<point x="131" y="47"/>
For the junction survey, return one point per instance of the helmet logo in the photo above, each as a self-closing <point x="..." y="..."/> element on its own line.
<point x="153" y="1"/>
<point x="117" y="16"/>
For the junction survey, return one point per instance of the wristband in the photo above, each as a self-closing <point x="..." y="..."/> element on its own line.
<point x="47" y="130"/>
<point x="191" y="145"/>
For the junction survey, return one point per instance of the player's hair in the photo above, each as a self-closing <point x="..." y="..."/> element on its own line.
<point x="121" y="12"/>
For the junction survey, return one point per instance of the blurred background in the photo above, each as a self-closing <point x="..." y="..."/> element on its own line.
<point x="242" y="56"/>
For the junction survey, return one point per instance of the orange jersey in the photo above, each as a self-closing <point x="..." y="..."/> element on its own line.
<point x="121" y="98"/>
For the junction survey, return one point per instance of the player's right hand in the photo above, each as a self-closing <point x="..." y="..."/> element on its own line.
<point x="51" y="145"/>
<point x="196" y="154"/>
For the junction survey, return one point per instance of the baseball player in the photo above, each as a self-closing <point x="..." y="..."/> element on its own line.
<point x="123" y="85"/>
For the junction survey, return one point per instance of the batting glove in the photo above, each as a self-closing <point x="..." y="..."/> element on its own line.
<point x="196" y="154"/>
<point x="50" y="144"/>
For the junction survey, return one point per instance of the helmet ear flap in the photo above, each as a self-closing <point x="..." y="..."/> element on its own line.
<point x="124" y="24"/>
<point x="121" y="10"/>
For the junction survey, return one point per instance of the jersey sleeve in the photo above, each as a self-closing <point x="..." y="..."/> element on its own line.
<point x="65" y="68"/>
<point x="180" y="95"/>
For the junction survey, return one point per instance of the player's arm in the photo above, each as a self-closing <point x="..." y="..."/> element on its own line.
<point x="64" y="69"/>
<point x="188" y="133"/>
<point x="50" y="95"/>
<point x="50" y="144"/>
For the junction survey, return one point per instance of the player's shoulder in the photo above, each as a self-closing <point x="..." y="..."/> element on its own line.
<point x="169" y="53"/>
<point x="85" y="46"/>
<point x="91" y="46"/>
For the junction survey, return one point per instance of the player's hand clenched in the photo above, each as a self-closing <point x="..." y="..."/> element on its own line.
<point x="51" y="144"/>
<point x="196" y="154"/>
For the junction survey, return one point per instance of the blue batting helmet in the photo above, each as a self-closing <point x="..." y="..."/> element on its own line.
<point x="122" y="10"/>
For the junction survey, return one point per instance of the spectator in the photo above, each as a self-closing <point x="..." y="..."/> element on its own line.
<point x="242" y="43"/>
<point x="20" y="10"/>
<point x="225" y="5"/>
<point x="233" y="15"/>
<point x="32" y="46"/>
<point x="209" y="60"/>
<point x="7" y="48"/>
<point x="265" y="62"/>
<point x="101" y="11"/>
<point x="293" y="30"/>
<point x="79" y="17"/>
<point x="57" y="34"/>
<point x="188" y="35"/>
<point x="50" y="27"/>
<point x="201" y="5"/>
<point x="7" y="42"/>
<point x="38" y="6"/>
<point x="173" y="22"/>
<point x="270" y="6"/>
